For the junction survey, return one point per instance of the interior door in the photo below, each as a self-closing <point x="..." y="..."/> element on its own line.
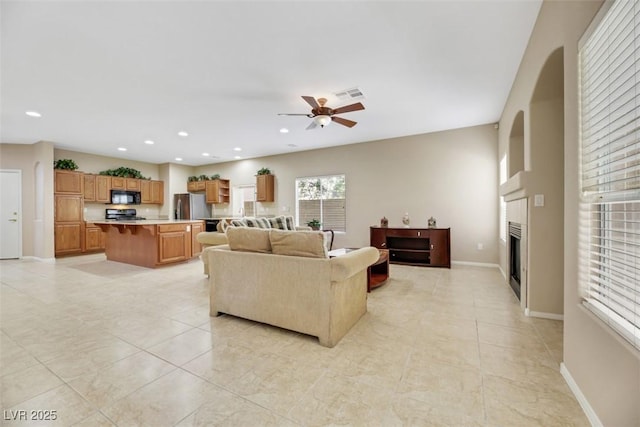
<point x="10" y="214"/>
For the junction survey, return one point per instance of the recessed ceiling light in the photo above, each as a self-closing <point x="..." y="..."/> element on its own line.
<point x="33" y="114"/>
<point x="149" y="142"/>
<point x="237" y="149"/>
<point x="206" y="154"/>
<point x="284" y="130"/>
<point x="291" y="145"/>
<point x="237" y="157"/>
<point x="179" y="159"/>
<point x="183" y="133"/>
<point x="122" y="149"/>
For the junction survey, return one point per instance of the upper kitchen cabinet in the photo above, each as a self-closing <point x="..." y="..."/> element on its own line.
<point x="265" y="185"/>
<point x="217" y="191"/>
<point x="68" y="182"/>
<point x="152" y="192"/>
<point x="97" y="188"/>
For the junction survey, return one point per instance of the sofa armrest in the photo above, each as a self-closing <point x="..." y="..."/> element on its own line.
<point x="212" y="238"/>
<point x="345" y="266"/>
<point x="303" y="228"/>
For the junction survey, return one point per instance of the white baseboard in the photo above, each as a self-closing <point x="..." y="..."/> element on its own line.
<point x="543" y="315"/>
<point x="475" y="264"/>
<point x="502" y="272"/>
<point x="582" y="400"/>
<point x="35" y="258"/>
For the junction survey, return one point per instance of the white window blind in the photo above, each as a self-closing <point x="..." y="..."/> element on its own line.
<point x="610" y="170"/>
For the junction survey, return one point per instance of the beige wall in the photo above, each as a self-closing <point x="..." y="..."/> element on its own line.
<point x="37" y="224"/>
<point x="605" y="370"/>
<point x="451" y="175"/>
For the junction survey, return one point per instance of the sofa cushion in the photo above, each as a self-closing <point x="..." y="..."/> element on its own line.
<point x="298" y="243"/>
<point x="290" y="223"/>
<point x="249" y="239"/>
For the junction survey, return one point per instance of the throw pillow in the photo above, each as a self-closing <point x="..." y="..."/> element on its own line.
<point x="249" y="239"/>
<point x="263" y="222"/>
<point x="298" y="243"/>
<point x="290" y="224"/>
<point x="238" y="223"/>
<point x="278" y="223"/>
<point x="251" y="222"/>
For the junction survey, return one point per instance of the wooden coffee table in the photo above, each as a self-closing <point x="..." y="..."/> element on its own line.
<point x="377" y="273"/>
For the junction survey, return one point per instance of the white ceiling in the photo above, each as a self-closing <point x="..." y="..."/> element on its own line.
<point x="114" y="74"/>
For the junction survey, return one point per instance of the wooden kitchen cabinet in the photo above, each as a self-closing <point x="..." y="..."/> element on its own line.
<point x="174" y="243"/>
<point x="97" y="188"/>
<point x="118" y="183"/>
<point x="152" y="192"/>
<point x="145" y="192"/>
<point x="133" y="184"/>
<point x="414" y="246"/>
<point x="94" y="238"/>
<point x="68" y="182"/>
<point x="196" y="186"/>
<point x="89" y="189"/>
<point x="265" y="188"/>
<point x="69" y="224"/>
<point x="103" y="188"/>
<point x="68" y="238"/>
<point x="196" y="247"/>
<point x="157" y="192"/>
<point x="217" y="191"/>
<point x="68" y="208"/>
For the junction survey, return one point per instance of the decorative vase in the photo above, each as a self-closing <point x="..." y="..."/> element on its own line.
<point x="384" y="222"/>
<point x="431" y="222"/>
<point x="405" y="219"/>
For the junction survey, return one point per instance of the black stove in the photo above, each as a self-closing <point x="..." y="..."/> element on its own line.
<point x="122" y="215"/>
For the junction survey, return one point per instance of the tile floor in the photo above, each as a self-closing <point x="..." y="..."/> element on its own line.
<point x="103" y="343"/>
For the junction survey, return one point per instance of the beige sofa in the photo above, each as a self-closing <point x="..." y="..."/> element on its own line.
<point x="219" y="237"/>
<point x="285" y="279"/>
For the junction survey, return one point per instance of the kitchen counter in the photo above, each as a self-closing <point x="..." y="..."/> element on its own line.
<point x="151" y="242"/>
<point x="144" y="221"/>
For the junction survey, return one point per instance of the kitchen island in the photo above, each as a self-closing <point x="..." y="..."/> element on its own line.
<point x="151" y="243"/>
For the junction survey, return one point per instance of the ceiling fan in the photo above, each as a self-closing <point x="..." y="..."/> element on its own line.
<point x="322" y="115"/>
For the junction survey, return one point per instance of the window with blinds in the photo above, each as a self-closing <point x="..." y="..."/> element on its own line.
<point x="322" y="198"/>
<point x="610" y="169"/>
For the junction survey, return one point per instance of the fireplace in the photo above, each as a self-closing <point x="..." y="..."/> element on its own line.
<point x="515" y="235"/>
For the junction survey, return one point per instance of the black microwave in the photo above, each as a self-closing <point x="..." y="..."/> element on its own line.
<point x="121" y="197"/>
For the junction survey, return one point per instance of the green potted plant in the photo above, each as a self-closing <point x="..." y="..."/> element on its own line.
<point x="203" y="177"/>
<point x="66" y="164"/>
<point x="314" y="224"/>
<point x="192" y="178"/>
<point x="215" y="176"/>
<point x="264" y="171"/>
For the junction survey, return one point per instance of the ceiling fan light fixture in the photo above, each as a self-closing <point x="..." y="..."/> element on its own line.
<point x="322" y="120"/>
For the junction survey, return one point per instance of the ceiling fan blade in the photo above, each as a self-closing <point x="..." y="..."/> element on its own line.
<point x="353" y="107"/>
<point x="295" y="114"/>
<point x="312" y="125"/>
<point x="344" y="122"/>
<point x="311" y="101"/>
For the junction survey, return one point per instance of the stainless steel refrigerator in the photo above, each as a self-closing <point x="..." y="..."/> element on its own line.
<point x="190" y="206"/>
